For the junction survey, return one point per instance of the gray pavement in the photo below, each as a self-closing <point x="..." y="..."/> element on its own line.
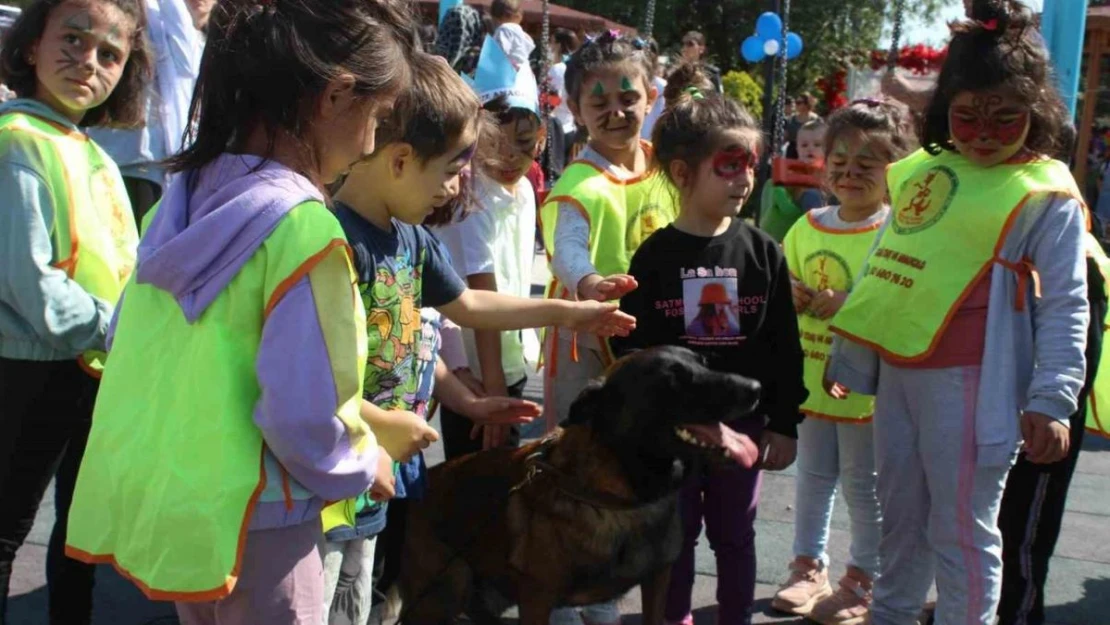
<point x="1078" y="591"/>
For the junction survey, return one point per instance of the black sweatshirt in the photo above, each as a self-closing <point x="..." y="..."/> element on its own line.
<point x="728" y="298"/>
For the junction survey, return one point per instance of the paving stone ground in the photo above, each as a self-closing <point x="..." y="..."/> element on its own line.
<point x="1078" y="591"/>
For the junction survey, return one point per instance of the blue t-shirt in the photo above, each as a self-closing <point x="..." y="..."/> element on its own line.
<point x="399" y="272"/>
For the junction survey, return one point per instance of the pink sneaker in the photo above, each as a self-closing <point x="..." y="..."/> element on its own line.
<point x="686" y="620"/>
<point x="808" y="584"/>
<point x="849" y="605"/>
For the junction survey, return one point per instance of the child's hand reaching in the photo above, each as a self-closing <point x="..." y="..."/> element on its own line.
<point x="607" y="289"/>
<point x="501" y="411"/>
<point x="596" y="318"/>
<point x="778" y="451"/>
<point x="826" y="303"/>
<point x="1046" y="439"/>
<point x="471" y="381"/>
<point x="404" y="434"/>
<point x="384" y="487"/>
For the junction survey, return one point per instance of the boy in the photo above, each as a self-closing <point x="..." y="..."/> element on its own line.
<point x="421" y="150"/>
<point x="507" y="16"/>
<point x="493" y="247"/>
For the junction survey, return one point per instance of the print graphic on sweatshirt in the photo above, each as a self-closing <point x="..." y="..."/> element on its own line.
<point x="712" y="307"/>
<point x="394" y="332"/>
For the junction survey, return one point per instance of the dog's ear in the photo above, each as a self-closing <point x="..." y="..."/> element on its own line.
<point x="589" y="403"/>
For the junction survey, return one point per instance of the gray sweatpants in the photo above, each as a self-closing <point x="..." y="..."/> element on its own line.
<point x="939" y="505"/>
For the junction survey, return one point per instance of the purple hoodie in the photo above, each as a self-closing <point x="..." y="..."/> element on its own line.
<point x="194" y="247"/>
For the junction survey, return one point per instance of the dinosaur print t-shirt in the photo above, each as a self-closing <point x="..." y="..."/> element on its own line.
<point x="399" y="273"/>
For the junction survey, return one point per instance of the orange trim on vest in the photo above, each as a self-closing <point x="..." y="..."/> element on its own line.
<point x="820" y="228"/>
<point x="92" y="373"/>
<point x="302" y="271"/>
<point x="213" y="594"/>
<point x="286" y="491"/>
<point x="1003" y="235"/>
<point x="648" y="150"/>
<point x="825" y="417"/>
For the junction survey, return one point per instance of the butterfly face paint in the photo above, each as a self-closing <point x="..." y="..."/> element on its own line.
<point x="732" y="163"/>
<point x="988" y="127"/>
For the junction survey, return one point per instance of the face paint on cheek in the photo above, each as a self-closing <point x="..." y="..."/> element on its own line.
<point x="965" y="130"/>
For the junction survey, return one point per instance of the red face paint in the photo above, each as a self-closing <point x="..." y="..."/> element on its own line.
<point x="981" y="121"/>
<point x="729" y="164"/>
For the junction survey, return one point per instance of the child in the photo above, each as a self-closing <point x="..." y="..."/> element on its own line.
<point x="825" y="252"/>
<point x="604" y="206"/>
<point x="230" y="412"/>
<point x="423" y="147"/>
<point x="707" y="145"/>
<point x="71" y="64"/>
<point x="682" y="78"/>
<point x="971" y="311"/>
<point x="493" y="246"/>
<point x="517" y="44"/>
<point x="784" y="204"/>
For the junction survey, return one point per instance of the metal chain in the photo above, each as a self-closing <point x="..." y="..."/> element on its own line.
<point x="896" y="35"/>
<point x="545" y="84"/>
<point x="779" y="134"/>
<point x="649" y="19"/>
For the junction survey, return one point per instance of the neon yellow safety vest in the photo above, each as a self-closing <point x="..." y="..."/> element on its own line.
<point x="1098" y="398"/>
<point x="93" y="230"/>
<point x="622" y="215"/>
<point x="826" y="259"/>
<point x="949" y="220"/>
<point x="174" y="464"/>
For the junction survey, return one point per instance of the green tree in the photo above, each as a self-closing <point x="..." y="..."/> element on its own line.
<point x="831" y="29"/>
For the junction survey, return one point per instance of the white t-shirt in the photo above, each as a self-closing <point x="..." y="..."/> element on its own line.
<point x="558" y="76"/>
<point x="656" y="110"/>
<point x="497" y="238"/>
<point x="515" y="42"/>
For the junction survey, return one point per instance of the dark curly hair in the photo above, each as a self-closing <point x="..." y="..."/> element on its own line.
<point x="125" y="107"/>
<point x="691" y="127"/>
<point x="267" y="63"/>
<point x="885" y="121"/>
<point x="609" y="48"/>
<point x="998" y="48"/>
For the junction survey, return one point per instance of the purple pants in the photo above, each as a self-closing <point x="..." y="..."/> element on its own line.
<point x="281" y="582"/>
<point x="726" y="497"/>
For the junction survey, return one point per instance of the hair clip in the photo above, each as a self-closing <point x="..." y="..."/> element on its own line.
<point x="990" y="25"/>
<point x="695" y="93"/>
<point x="614" y="33"/>
<point x="639" y="43"/>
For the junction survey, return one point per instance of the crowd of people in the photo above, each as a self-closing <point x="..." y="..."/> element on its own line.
<point x="249" y="249"/>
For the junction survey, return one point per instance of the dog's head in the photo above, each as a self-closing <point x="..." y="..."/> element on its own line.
<point x="665" y="403"/>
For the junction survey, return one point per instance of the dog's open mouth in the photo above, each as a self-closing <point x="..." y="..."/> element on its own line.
<point x="721" y="439"/>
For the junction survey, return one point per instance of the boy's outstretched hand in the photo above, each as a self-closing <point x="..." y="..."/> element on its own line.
<point x="606" y="289"/>
<point x="501" y="411"/>
<point x="602" y="319"/>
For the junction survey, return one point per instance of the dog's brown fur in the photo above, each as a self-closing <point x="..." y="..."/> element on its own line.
<point x="600" y="518"/>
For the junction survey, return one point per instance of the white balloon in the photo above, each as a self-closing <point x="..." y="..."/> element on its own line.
<point x="771" y="47"/>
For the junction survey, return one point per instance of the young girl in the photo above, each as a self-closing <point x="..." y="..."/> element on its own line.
<point x="825" y="252"/>
<point x="72" y="64"/>
<point x="606" y="203"/>
<point x="230" y="413"/>
<point x="707" y="145"/>
<point x="970" y="320"/>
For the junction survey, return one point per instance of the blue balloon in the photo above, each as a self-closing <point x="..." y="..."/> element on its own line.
<point x="752" y="49"/>
<point x="769" y="26"/>
<point x="793" y="45"/>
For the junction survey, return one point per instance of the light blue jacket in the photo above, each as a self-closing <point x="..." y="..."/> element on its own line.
<point x="1033" y="359"/>
<point x="43" y="314"/>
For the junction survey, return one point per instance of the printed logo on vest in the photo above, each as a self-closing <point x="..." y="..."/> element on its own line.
<point x="825" y="269"/>
<point x="643" y="223"/>
<point x="925" y="199"/>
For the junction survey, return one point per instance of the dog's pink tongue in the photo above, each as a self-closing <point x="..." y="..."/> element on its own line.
<point x="739" y="446"/>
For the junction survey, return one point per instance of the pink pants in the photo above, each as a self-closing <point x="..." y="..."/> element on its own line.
<point x="281" y="582"/>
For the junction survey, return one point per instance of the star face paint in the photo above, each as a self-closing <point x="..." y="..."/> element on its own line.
<point x="988" y="127"/>
<point x="626" y="84"/>
<point x="598" y="91"/>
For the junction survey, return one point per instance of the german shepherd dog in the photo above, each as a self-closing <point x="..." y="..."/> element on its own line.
<point x="584" y="515"/>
